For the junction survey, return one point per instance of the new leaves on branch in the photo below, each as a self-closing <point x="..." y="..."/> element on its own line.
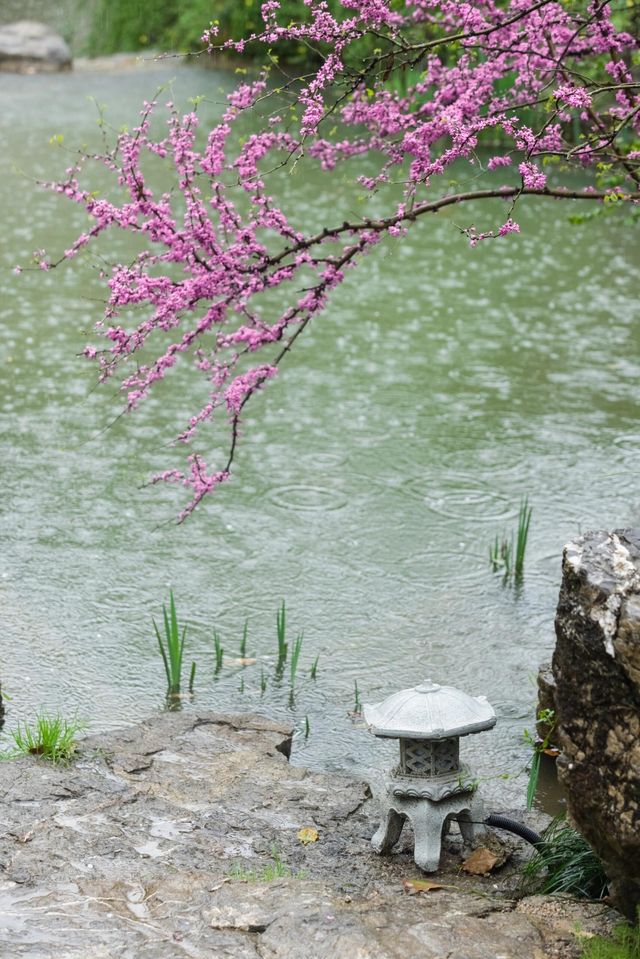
<point x="415" y="87"/>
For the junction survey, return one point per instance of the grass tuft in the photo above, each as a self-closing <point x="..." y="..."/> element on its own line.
<point x="522" y="535"/>
<point x="503" y="555"/>
<point x="624" y="943"/>
<point x="276" y="869"/>
<point x="51" y="736"/>
<point x="565" y="863"/>
<point x="172" y="647"/>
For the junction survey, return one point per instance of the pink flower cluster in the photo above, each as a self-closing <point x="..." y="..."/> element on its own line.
<point x="467" y="73"/>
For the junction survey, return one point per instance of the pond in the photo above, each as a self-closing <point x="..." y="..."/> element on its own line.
<point x="442" y="385"/>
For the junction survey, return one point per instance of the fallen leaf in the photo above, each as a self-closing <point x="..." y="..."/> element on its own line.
<point x="307" y="835"/>
<point x="481" y="862"/>
<point x="414" y="886"/>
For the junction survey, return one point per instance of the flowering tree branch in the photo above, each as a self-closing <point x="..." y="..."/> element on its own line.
<point x="546" y="81"/>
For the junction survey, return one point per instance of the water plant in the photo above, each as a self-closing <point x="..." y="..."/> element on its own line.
<point x="263" y="681"/>
<point x="219" y="652"/>
<point x="500" y="555"/>
<point x="192" y="676"/>
<point x="281" y="632"/>
<point x="50" y="736"/>
<point x="243" y="641"/>
<point x="307" y="727"/>
<point x="295" y="657"/>
<point x="357" y="703"/>
<point x="565" y="863"/>
<point x="172" y="647"/>
<point x="313" y="672"/>
<point x="546" y="717"/>
<point x="504" y="555"/>
<point x="522" y="535"/>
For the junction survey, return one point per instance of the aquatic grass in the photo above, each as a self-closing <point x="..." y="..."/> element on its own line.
<point x="313" y="672"/>
<point x="263" y="682"/>
<point x="51" y="736"/>
<point x="534" y="775"/>
<point x="172" y="647"/>
<point x="192" y="676"/>
<point x="565" y="863"/>
<point x="500" y="555"/>
<point x="295" y="657"/>
<point x="281" y="632"/>
<point x="219" y="651"/>
<point x="509" y="557"/>
<point x="357" y="702"/>
<point x="522" y="535"/>
<point x="307" y="727"/>
<point x="546" y="717"/>
<point x="243" y="641"/>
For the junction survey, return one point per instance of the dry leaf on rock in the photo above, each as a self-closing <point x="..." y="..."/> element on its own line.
<point x="308" y="835"/>
<point x="481" y="862"/>
<point x="414" y="886"/>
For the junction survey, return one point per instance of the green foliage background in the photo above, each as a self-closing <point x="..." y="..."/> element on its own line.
<point x="130" y="25"/>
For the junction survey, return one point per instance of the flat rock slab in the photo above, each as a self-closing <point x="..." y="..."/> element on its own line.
<point x="180" y="838"/>
<point x="31" y="47"/>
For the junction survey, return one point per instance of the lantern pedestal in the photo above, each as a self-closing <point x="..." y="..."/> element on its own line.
<point x="428" y="811"/>
<point x="429" y="786"/>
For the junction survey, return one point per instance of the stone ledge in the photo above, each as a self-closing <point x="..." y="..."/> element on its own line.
<point x="131" y="849"/>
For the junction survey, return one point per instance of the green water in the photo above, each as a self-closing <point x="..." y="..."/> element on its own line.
<point x="442" y="384"/>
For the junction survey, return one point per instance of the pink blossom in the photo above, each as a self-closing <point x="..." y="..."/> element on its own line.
<point x="230" y="270"/>
<point x="498" y="161"/>
<point x="573" y="96"/>
<point x="532" y="177"/>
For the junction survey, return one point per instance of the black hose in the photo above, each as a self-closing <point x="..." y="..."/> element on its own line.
<point x="512" y="825"/>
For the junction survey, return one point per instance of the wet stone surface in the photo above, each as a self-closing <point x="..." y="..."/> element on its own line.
<point x="179" y="837"/>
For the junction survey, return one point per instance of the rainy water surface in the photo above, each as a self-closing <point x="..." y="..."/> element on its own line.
<point x="442" y="385"/>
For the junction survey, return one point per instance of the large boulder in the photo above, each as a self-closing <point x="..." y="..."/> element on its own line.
<point x="596" y="665"/>
<point x="31" y="47"/>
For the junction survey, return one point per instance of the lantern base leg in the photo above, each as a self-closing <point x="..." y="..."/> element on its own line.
<point x="470" y="821"/>
<point x="388" y="833"/>
<point x="428" y="818"/>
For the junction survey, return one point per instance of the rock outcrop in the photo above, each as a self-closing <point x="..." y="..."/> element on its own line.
<point x="191" y="835"/>
<point x="596" y="665"/>
<point x="31" y="47"/>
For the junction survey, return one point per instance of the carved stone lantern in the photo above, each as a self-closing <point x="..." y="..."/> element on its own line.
<point x="429" y="786"/>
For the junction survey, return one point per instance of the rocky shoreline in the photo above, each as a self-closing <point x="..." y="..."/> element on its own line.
<point x="183" y="836"/>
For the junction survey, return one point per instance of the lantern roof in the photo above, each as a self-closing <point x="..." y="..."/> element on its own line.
<point x="429" y="711"/>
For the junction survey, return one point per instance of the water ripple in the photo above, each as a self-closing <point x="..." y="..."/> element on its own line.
<point x="473" y="503"/>
<point x="300" y="498"/>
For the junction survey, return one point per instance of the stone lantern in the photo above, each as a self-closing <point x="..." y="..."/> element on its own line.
<point x="429" y="786"/>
